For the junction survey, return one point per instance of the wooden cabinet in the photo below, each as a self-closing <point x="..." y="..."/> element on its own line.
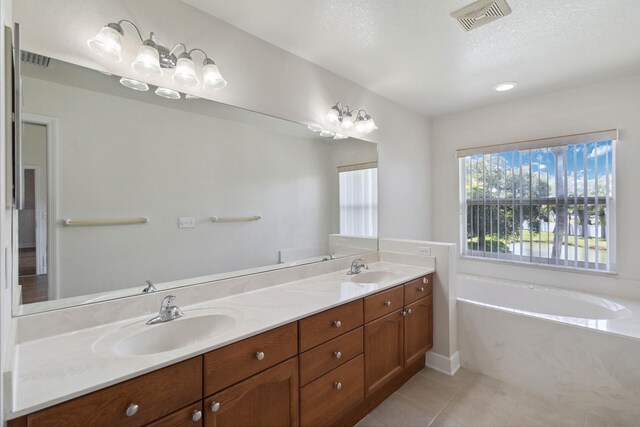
<point x="327" y="399"/>
<point x="235" y="362"/>
<point x="134" y="402"/>
<point x="418" y="330"/>
<point x="266" y="399"/>
<point x="383" y="350"/>
<point x="331" y="368"/>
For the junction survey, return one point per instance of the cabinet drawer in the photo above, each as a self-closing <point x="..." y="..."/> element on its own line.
<point x="157" y="394"/>
<point x="327" y="356"/>
<point x="377" y="305"/>
<point x="321" y="327"/>
<point x="191" y="416"/>
<point x="418" y="288"/>
<point x="326" y="399"/>
<point x="238" y="361"/>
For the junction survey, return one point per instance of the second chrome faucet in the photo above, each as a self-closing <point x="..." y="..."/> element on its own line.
<point x="168" y="311"/>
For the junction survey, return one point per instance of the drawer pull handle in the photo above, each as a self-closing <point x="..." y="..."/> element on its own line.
<point x="421" y="289"/>
<point x="132" y="409"/>
<point x="337" y="323"/>
<point x="406" y="312"/>
<point x="337" y="355"/>
<point x="215" y="406"/>
<point x="197" y="415"/>
<point x="260" y="355"/>
<point x="387" y="303"/>
<point x="425" y="280"/>
<point x="338" y="385"/>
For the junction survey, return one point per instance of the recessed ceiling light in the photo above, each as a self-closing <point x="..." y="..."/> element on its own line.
<point x="503" y="87"/>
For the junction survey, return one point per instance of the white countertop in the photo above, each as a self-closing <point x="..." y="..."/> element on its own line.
<point x="55" y="369"/>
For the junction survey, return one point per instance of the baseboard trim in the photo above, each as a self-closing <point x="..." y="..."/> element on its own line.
<point x="444" y="364"/>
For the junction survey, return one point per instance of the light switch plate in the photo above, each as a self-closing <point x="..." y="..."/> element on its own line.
<point x="186" y="222"/>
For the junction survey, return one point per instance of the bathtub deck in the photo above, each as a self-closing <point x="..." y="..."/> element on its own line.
<point x="472" y="400"/>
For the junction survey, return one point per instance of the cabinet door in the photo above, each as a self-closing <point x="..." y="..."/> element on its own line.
<point x="383" y="351"/>
<point x="267" y="399"/>
<point x="418" y="329"/>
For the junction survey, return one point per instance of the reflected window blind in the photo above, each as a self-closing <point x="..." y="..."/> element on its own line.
<point x="548" y="201"/>
<point x="359" y="200"/>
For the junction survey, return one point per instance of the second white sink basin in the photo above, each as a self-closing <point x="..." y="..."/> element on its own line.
<point x="371" y="277"/>
<point x="173" y="334"/>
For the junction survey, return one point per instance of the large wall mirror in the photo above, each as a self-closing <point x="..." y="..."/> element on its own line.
<point x="122" y="187"/>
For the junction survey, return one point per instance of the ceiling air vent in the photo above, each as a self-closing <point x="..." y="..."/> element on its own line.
<point x="480" y="13"/>
<point x="35" y="59"/>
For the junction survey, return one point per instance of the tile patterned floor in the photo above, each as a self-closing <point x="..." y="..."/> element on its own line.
<point x="432" y="399"/>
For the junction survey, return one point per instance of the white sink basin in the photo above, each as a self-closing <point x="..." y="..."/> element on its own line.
<point x="173" y="334"/>
<point x="371" y="277"/>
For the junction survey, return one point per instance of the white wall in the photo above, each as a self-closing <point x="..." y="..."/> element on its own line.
<point x="163" y="163"/>
<point x="262" y="78"/>
<point x="608" y="105"/>
<point x="34" y="153"/>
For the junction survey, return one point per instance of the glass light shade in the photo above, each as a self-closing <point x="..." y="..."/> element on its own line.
<point x="361" y="126"/>
<point x="340" y="136"/>
<point x="147" y="62"/>
<point x="314" y="129"/>
<point x="327" y="134"/>
<point x="134" y="84"/>
<point x="189" y="96"/>
<point x="167" y="93"/>
<point x="347" y="121"/>
<point x="212" y="79"/>
<point x="107" y="43"/>
<point x="332" y="116"/>
<point x="371" y="126"/>
<point x="185" y="73"/>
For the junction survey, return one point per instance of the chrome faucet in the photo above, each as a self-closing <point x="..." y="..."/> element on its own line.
<point x="149" y="288"/>
<point x="356" y="266"/>
<point x="168" y="311"/>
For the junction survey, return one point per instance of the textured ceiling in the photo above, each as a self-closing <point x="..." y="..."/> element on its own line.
<point x="414" y="53"/>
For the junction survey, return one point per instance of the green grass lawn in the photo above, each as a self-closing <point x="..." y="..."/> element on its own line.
<point x="543" y="237"/>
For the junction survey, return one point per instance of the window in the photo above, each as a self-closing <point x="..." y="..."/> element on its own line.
<point x="547" y="201"/>
<point x="359" y="200"/>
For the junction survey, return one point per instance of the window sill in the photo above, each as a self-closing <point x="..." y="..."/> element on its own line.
<point x="562" y="268"/>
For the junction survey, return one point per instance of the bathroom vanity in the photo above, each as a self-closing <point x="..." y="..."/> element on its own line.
<point x="328" y="368"/>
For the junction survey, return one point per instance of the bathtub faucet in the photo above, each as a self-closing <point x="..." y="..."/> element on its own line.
<point x="356" y="266"/>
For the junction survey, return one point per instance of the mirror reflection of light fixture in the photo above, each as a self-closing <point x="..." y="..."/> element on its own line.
<point x="327" y="133"/>
<point x="134" y="84"/>
<point x="350" y="120"/>
<point x="153" y="57"/>
<point x="167" y="93"/>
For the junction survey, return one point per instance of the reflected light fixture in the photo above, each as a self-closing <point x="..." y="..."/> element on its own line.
<point x="152" y="58"/>
<point x="167" y="93"/>
<point x="357" y="120"/>
<point x="503" y="87"/>
<point x="134" y="84"/>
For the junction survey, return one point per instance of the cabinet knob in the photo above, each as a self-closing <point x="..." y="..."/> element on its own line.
<point x="337" y="355"/>
<point x="215" y="406"/>
<point x="337" y="385"/>
<point x="406" y="312"/>
<point x="132" y="409"/>
<point x="337" y="323"/>
<point x="421" y="289"/>
<point x="197" y="415"/>
<point x="387" y="303"/>
<point x="260" y="355"/>
<point x="425" y="280"/>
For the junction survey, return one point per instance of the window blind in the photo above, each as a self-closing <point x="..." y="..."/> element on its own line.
<point x="359" y="202"/>
<point x="548" y="201"/>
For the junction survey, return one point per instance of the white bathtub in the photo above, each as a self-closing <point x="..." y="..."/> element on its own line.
<point x="573" y="347"/>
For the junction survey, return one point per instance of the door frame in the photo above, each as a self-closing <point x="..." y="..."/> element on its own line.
<point x="40" y="225"/>
<point x="51" y="124"/>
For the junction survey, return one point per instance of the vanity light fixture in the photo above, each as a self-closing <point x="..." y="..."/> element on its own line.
<point x="503" y="87"/>
<point x="134" y="84"/>
<point x="152" y="57"/>
<point x="358" y="120"/>
<point x="167" y="93"/>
